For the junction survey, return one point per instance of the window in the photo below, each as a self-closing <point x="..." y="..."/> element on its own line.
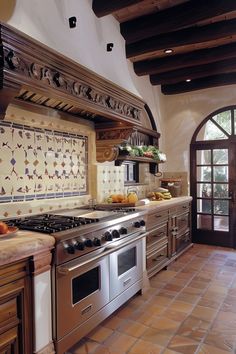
<point x="131" y="172"/>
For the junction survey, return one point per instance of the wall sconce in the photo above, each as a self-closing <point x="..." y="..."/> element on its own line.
<point x="72" y="22"/>
<point x="110" y="46"/>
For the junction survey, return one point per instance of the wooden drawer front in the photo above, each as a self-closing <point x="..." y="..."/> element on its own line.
<point x="9" y="342"/>
<point x="183" y="221"/>
<point x="180" y="209"/>
<point x="182" y="241"/>
<point x="183" y="208"/>
<point x="157" y="257"/>
<point x="156" y="218"/>
<point x="8" y="312"/>
<point x="157" y="237"/>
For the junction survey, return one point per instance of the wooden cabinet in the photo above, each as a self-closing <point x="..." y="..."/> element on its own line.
<point x="169" y="234"/>
<point x="157" y="242"/>
<point x="15" y="309"/>
<point x="180" y="233"/>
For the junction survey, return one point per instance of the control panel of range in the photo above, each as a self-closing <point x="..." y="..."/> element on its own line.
<point x="85" y="243"/>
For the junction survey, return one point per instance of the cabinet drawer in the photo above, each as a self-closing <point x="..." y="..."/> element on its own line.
<point x="180" y="209"/>
<point x="8" y="312"/>
<point x="155" y="258"/>
<point x="182" y="241"/>
<point x="183" y="221"/>
<point x="156" y="237"/>
<point x="156" y="218"/>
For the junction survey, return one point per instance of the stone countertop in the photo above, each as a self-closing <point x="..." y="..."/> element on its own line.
<point x="164" y="204"/>
<point x="23" y="244"/>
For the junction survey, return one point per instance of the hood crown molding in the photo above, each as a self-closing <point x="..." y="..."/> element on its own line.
<point x="32" y="72"/>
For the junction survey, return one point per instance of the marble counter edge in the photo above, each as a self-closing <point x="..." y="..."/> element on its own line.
<point x="22" y="245"/>
<point x="164" y="204"/>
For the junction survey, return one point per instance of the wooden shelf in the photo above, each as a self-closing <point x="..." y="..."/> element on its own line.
<point x="152" y="163"/>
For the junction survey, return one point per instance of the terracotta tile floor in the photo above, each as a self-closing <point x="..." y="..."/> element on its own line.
<point x="189" y="308"/>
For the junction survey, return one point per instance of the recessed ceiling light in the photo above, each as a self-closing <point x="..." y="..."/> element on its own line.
<point x="168" y="51"/>
<point x="188" y="80"/>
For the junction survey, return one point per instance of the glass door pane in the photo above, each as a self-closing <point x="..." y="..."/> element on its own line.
<point x="212" y="189"/>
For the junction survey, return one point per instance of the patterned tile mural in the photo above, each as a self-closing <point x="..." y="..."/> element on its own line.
<point x="41" y="164"/>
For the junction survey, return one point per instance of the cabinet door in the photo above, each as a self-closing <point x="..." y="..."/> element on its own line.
<point x="15" y="309"/>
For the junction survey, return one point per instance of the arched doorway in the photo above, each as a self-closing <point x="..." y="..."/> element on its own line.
<point x="213" y="179"/>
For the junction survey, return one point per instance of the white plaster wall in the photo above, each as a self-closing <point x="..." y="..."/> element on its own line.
<point x="183" y="113"/>
<point x="47" y="21"/>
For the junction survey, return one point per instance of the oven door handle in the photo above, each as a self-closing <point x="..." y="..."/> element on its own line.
<point x="104" y="251"/>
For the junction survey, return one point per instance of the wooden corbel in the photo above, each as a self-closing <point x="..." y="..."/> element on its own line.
<point x="108" y="141"/>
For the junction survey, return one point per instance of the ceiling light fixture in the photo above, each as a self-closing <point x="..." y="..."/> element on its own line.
<point x="188" y="80"/>
<point x="168" y="51"/>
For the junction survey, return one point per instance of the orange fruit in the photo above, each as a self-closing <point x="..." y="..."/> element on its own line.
<point x="3" y="227"/>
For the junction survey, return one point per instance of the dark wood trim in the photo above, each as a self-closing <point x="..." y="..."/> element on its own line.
<point x="198" y="57"/>
<point x="185" y="37"/>
<point x="212" y="114"/>
<point x="103" y="7"/>
<point x="43" y="76"/>
<point x="199" y="84"/>
<point x="194" y="72"/>
<point x="174" y="18"/>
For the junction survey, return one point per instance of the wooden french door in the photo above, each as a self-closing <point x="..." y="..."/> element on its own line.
<point x="213" y="179"/>
<point x="213" y="189"/>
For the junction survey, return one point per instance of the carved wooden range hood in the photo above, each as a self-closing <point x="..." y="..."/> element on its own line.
<point x="30" y="72"/>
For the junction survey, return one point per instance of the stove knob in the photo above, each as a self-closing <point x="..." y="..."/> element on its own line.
<point x="108" y="236"/>
<point x="115" y="234"/>
<point x="80" y="246"/>
<point x="137" y="224"/>
<point x="142" y="222"/>
<point x="70" y="249"/>
<point x="123" y="231"/>
<point x="96" y="241"/>
<point x="88" y="242"/>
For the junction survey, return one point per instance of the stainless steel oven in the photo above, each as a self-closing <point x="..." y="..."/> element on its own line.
<point x="81" y="290"/>
<point x="97" y="266"/>
<point x="126" y="267"/>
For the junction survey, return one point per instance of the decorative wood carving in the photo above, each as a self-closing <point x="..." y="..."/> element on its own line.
<point x="107" y="141"/>
<point x="32" y="73"/>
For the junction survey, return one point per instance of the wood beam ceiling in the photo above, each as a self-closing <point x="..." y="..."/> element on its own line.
<point x="197" y="57"/>
<point x="201" y="35"/>
<point x="194" y="72"/>
<point x="199" y="84"/>
<point x="174" y="18"/>
<point x="182" y="38"/>
<point x="104" y="7"/>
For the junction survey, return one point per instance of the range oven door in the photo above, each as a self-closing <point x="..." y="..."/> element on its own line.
<point x="80" y="292"/>
<point x="126" y="267"/>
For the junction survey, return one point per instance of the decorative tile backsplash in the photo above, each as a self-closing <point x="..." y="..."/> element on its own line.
<point x="41" y="164"/>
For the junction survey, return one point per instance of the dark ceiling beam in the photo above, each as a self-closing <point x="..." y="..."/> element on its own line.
<point x="197" y="57"/>
<point x="174" y="18"/>
<point x="199" y="84"/>
<point x="185" y="37"/>
<point x="194" y="72"/>
<point x="106" y="7"/>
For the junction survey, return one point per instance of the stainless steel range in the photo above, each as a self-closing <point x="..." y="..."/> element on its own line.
<point x="98" y="265"/>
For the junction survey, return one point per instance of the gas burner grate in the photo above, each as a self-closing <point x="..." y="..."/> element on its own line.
<point x="49" y="223"/>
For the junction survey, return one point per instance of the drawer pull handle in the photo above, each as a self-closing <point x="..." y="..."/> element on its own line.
<point x="86" y="309"/>
<point x="158" y="216"/>
<point x="127" y="281"/>
<point x="158" y="235"/>
<point x="157" y="257"/>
